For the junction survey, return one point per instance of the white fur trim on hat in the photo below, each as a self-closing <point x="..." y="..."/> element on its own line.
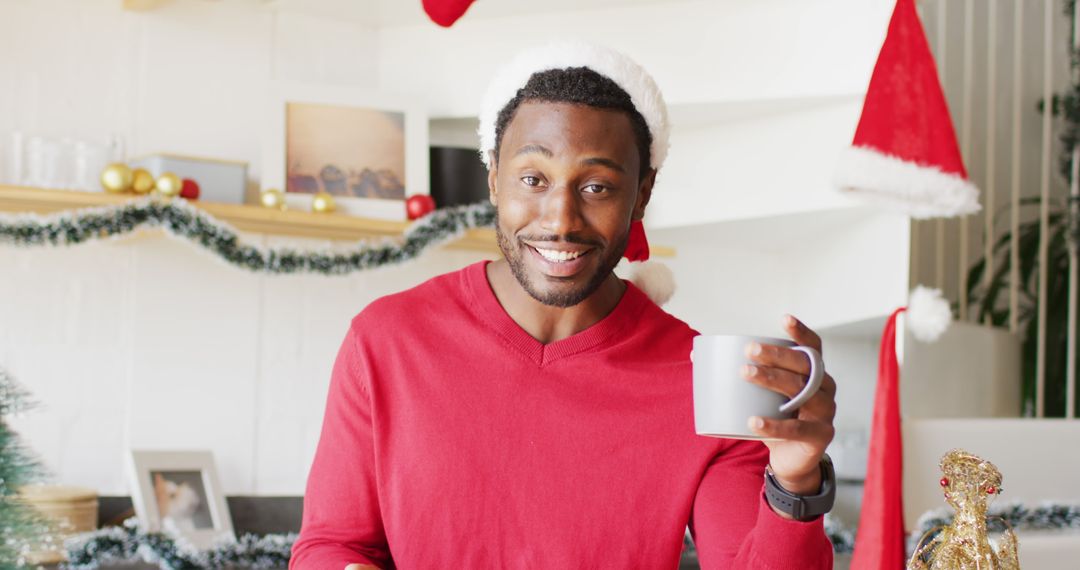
<point x="655" y="279"/>
<point x="919" y="191"/>
<point x="626" y="73"/>
<point x="928" y="314"/>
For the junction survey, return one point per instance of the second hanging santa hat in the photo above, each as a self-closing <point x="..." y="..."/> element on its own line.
<point x="905" y="154"/>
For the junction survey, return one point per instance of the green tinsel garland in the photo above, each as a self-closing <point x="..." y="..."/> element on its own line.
<point x="131" y="543"/>
<point x="1050" y="516"/>
<point x="186" y="221"/>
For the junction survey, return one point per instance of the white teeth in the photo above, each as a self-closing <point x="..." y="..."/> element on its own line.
<point x="559" y="256"/>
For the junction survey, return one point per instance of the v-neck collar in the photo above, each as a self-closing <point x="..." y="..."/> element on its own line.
<point x="626" y="311"/>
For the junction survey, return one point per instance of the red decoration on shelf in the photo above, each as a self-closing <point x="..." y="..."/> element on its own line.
<point x="419" y="205"/>
<point x="446" y="12"/>
<point x="189" y="189"/>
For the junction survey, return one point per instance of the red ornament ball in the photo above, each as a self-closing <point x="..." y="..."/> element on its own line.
<point x="418" y="206"/>
<point x="189" y="189"/>
<point x="944" y="482"/>
<point x="991" y="490"/>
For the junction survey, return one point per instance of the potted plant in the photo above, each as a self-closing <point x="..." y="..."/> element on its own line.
<point x="990" y="302"/>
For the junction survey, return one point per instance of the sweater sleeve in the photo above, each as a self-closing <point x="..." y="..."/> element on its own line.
<point x="342" y="523"/>
<point x="734" y="527"/>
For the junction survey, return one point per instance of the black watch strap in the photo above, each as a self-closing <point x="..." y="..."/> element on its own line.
<point x="803" y="507"/>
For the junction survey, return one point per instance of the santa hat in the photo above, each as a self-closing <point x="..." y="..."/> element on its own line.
<point x="655" y="279"/>
<point x="879" y="542"/>
<point x="905" y="154"/>
<point x="446" y="12"/>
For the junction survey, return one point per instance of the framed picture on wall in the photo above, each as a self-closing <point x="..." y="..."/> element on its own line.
<point x="368" y="149"/>
<point x="177" y="492"/>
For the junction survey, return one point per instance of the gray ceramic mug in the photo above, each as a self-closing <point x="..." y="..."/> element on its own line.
<point x="724" y="400"/>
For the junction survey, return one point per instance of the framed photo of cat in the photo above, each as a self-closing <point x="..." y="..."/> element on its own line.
<point x="177" y="492"/>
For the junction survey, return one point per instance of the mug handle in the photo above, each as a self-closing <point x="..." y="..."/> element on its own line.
<point x="817" y="373"/>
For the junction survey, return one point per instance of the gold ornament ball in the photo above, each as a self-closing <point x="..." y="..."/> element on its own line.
<point x="323" y="203"/>
<point x="272" y="198"/>
<point x="142" y="182"/>
<point x="169" y="184"/>
<point x="116" y="178"/>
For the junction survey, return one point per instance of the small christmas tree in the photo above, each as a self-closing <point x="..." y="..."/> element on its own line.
<point x="19" y="526"/>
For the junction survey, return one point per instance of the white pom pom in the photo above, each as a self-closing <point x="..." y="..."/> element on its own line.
<point x="654" y="279"/>
<point x="928" y="314"/>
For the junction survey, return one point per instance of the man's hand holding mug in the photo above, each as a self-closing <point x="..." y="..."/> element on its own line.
<point x="772" y="390"/>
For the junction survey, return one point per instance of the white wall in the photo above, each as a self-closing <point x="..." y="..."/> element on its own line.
<point x="829" y="268"/>
<point x="146" y="341"/>
<point x="189" y="78"/>
<point x="1031" y="455"/>
<point x="149" y="342"/>
<point x="972" y="371"/>
<point x="699" y="51"/>
<point x="775" y="163"/>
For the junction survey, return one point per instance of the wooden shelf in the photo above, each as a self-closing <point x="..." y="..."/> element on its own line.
<point x="293" y="223"/>
<point x="256" y="219"/>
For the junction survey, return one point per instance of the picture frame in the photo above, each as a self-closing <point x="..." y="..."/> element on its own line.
<point x="177" y="492"/>
<point x="348" y="141"/>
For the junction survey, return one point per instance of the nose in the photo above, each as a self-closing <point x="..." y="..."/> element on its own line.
<point x="561" y="210"/>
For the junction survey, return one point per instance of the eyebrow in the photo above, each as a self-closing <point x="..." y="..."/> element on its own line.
<point x="534" y="148"/>
<point x="604" y="162"/>
<point x="546" y="153"/>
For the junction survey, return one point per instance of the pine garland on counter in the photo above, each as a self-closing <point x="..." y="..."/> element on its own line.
<point x="131" y="543"/>
<point x="182" y="220"/>
<point x="1048" y="516"/>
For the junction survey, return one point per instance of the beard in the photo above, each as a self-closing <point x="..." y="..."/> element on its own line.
<point x="575" y="292"/>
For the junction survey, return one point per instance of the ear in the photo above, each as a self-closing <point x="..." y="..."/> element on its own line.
<point x="644" y="194"/>
<point x="493" y="174"/>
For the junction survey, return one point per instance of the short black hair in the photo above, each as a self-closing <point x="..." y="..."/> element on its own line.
<point x="580" y="86"/>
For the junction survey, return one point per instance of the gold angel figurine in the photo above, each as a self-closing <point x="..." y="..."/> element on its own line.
<point x="970" y="484"/>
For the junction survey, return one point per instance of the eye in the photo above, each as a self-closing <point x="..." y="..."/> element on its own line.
<point x="595" y="188"/>
<point x="531" y="180"/>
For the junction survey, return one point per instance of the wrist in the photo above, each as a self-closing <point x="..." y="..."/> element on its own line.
<point x="804" y="497"/>
<point x="808" y="484"/>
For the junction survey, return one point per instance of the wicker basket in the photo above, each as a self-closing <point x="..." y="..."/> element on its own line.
<point x="73" y="509"/>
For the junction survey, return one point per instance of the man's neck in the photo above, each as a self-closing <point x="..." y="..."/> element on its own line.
<point x="546" y="323"/>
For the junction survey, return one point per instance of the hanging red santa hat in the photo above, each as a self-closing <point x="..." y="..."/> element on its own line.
<point x="654" y="279"/>
<point x="905" y="154"/>
<point x="879" y="542"/>
<point x="446" y="12"/>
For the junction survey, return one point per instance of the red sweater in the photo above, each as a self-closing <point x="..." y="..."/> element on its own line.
<point x="453" y="439"/>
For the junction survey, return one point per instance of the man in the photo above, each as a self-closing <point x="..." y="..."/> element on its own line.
<point x="536" y="411"/>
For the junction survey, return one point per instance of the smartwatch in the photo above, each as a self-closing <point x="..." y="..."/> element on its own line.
<point x="803" y="507"/>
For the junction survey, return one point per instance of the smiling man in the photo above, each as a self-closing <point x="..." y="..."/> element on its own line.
<point x="536" y="411"/>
